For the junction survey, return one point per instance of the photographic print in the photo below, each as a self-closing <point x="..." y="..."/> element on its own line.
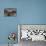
<point x="10" y="12"/>
<point x="31" y="33"/>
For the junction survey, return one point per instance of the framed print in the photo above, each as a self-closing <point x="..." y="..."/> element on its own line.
<point x="32" y="32"/>
<point x="10" y="12"/>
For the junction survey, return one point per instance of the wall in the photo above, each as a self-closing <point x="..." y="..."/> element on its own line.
<point x="28" y="12"/>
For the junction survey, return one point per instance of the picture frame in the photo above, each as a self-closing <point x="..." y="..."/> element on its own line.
<point x="10" y="12"/>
